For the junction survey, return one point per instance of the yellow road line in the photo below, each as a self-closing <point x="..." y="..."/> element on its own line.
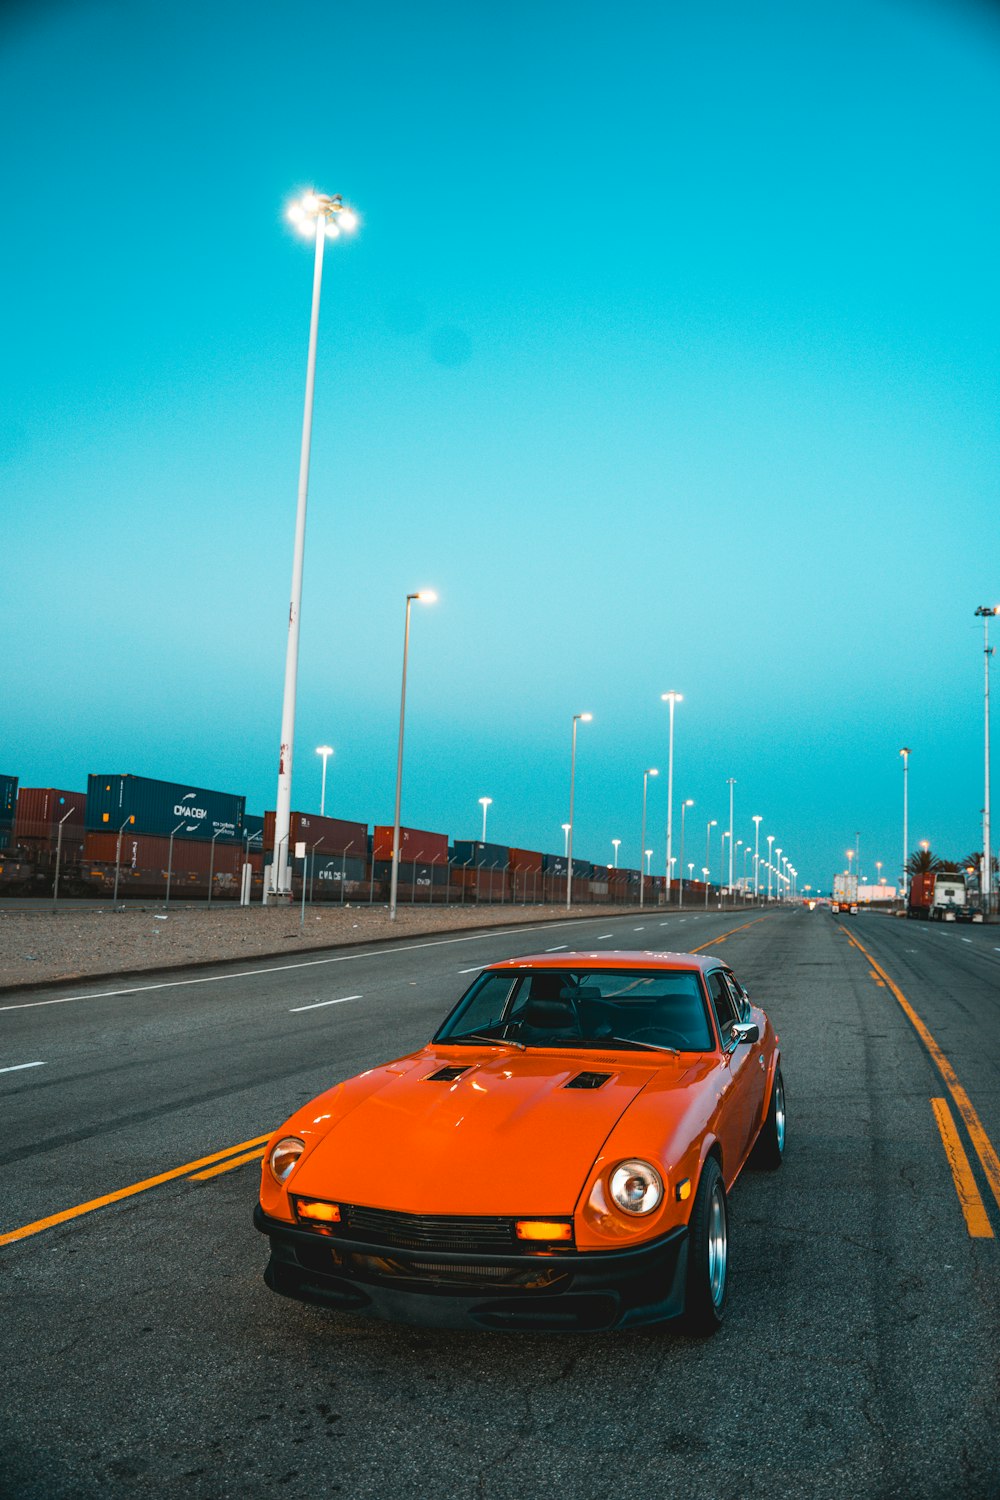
<point x="701" y="948"/>
<point x="976" y="1219"/>
<point x="127" y="1192"/>
<point x="985" y="1149"/>
<point x="226" y="1166"/>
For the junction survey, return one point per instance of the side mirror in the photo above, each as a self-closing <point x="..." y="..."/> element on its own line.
<point x="744" y="1031"/>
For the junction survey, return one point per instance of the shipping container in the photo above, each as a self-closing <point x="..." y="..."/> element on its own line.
<point x="479" y="856"/>
<point x="8" y="802"/>
<point x="150" y="853"/>
<point x="414" y="843"/>
<point x="40" y="810"/>
<point x="253" y="828"/>
<point x="328" y="835"/>
<point x="163" y="807"/>
<point x="525" y="860"/>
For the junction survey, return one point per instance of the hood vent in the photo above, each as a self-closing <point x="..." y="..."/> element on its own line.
<point x="447" y="1075"/>
<point x="588" y="1080"/>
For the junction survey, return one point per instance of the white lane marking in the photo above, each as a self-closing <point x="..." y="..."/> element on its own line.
<point x="966" y="940"/>
<point x="320" y="1003"/>
<point x="558" y="948"/>
<point x="476" y="969"/>
<point x="17" y="1068"/>
<point x="306" y="963"/>
<point x="602" y="935"/>
<point x="638" y="929"/>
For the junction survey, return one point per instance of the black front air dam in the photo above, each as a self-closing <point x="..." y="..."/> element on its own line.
<point x="590" y="1291"/>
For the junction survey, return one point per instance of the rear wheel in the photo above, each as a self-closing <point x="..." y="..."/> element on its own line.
<point x="708" y="1254"/>
<point x="770" y="1147"/>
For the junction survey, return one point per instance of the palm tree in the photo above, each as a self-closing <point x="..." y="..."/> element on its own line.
<point x="922" y="862"/>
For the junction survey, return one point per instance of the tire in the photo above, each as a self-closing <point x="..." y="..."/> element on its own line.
<point x="708" y="1255"/>
<point x="770" y="1148"/>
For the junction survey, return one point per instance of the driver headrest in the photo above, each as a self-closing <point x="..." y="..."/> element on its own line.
<point x="549" y="1014"/>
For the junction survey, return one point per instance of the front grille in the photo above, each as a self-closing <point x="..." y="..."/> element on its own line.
<point x="381" y="1226"/>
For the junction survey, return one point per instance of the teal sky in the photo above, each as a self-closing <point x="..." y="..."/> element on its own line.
<point x="667" y="351"/>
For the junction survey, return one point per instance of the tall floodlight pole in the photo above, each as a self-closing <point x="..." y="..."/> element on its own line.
<point x="484" y="803"/>
<point x="732" y="782"/>
<point x="770" y="841"/>
<point x="708" y="850"/>
<point x="425" y="596"/>
<point x="326" y="751"/>
<point x="758" y="818"/>
<point x="673" y="699"/>
<point x="577" y="719"/>
<point x="986" y="881"/>
<point x="686" y="802"/>
<point x="777" y="874"/>
<point x="906" y="752"/>
<point x="321" y="216"/>
<point x="642" y="844"/>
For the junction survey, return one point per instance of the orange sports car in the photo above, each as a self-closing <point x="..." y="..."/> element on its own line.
<point x="558" y="1157"/>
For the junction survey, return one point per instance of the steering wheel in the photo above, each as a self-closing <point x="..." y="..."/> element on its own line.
<point x="663" y="1035"/>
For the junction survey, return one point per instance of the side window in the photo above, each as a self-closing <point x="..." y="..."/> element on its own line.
<point x="740" y="996"/>
<point x="723" y="1003"/>
<point x="484" y="1005"/>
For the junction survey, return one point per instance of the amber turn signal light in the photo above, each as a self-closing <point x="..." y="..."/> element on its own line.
<point x="542" y="1229"/>
<point x="324" y="1213"/>
<point x="684" y="1190"/>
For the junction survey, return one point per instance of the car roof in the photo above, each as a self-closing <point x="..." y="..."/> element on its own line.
<point x="629" y="958"/>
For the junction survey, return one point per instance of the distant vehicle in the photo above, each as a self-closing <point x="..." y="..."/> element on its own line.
<point x="845" y="894"/>
<point x="558" y="1157"/>
<point x="941" y="896"/>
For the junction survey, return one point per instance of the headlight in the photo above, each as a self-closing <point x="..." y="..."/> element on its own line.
<point x="636" y="1187"/>
<point x="284" y="1156"/>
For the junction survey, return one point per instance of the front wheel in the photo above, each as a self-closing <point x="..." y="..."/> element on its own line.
<point x="770" y="1148"/>
<point x="708" y="1254"/>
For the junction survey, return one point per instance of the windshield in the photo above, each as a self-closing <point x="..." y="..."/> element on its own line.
<point x="590" y="1008"/>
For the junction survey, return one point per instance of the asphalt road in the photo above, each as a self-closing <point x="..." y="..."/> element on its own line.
<point x="144" y="1354"/>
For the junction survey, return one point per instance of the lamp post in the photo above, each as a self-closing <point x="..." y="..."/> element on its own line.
<point x="739" y="846"/>
<point x="170" y="859"/>
<point x="118" y="855"/>
<point x="321" y="215"/>
<point x="616" y="845"/>
<point x="757" y="820"/>
<point x="770" y="841"/>
<point x="649" y="860"/>
<point x="685" y="804"/>
<point x="326" y="751"/>
<point x="425" y="596"/>
<point x="652" y="771"/>
<point x="484" y="803"/>
<point x="211" y="864"/>
<point x="905" y="753"/>
<point x="731" y="782"/>
<point x="672" y="699"/>
<point x="565" y="829"/>
<point x="708" y="852"/>
<point x="985" y="611"/>
<point x="55" y="883"/>
<point x="777" y="874"/>
<point x="577" y="719"/>
<point x="705" y="874"/>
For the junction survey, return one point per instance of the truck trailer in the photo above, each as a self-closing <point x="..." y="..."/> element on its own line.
<point x="941" y="896"/>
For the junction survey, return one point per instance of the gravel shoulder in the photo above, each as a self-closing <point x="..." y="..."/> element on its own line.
<point x="41" y="947"/>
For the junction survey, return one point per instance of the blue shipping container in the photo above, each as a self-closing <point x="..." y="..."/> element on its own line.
<point x="479" y="856"/>
<point x="162" y="808"/>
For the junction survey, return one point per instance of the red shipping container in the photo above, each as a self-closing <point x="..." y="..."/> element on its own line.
<point x="150" y="852"/>
<point x="40" y="810"/>
<point x="331" y="835"/>
<point x="414" y="843"/>
<point x="525" y="859"/>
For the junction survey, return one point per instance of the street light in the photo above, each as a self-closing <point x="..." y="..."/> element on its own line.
<point x="425" y="596"/>
<point x="326" y="751"/>
<point x="577" y="719"/>
<point x="708" y="851"/>
<point x="565" y="829"/>
<point x="770" y="841"/>
<point x="985" y="611"/>
<point x="705" y="873"/>
<point x="652" y="771"/>
<point x="321" y="215"/>
<point x="777" y="873"/>
<point x="685" y="804"/>
<point x="170" y="858"/>
<point x="59" y="834"/>
<point x="484" y="803"/>
<point x="757" y="819"/>
<point x="649" y="860"/>
<point x="905" y="753"/>
<point x="616" y="844"/>
<point x="732" y="782"/>
<point x="673" y="699"/>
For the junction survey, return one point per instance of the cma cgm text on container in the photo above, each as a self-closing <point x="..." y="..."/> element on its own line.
<point x="162" y="808"/>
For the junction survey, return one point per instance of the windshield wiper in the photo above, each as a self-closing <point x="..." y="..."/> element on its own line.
<point x="627" y="1041"/>
<point x="479" y="1036"/>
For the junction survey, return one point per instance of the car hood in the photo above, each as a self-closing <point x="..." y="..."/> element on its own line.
<point x="507" y="1137"/>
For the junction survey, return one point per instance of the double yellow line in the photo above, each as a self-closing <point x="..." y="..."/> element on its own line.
<point x="219" y="1161"/>
<point x="973" y="1209"/>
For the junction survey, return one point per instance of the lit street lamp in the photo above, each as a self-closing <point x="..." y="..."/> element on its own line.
<point x="322" y="216"/>
<point x="732" y="782"/>
<point x="986" y="611"/>
<point x="777" y="874"/>
<point x="652" y="771"/>
<point x="577" y="719"/>
<point x="770" y="841"/>
<point x="616" y="845"/>
<point x="685" y="804"/>
<point x="565" y="829"/>
<point x="326" y="751"/>
<point x="757" y="820"/>
<point x="905" y="753"/>
<point x="708" y="853"/>
<point x="425" y="596"/>
<point x="484" y="803"/>
<point x="673" y="699"/>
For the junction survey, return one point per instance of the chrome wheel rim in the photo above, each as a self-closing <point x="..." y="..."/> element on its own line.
<point x="779" y="1112"/>
<point x="717" y="1247"/>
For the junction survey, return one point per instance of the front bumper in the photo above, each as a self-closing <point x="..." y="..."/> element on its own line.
<point x="569" y="1291"/>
